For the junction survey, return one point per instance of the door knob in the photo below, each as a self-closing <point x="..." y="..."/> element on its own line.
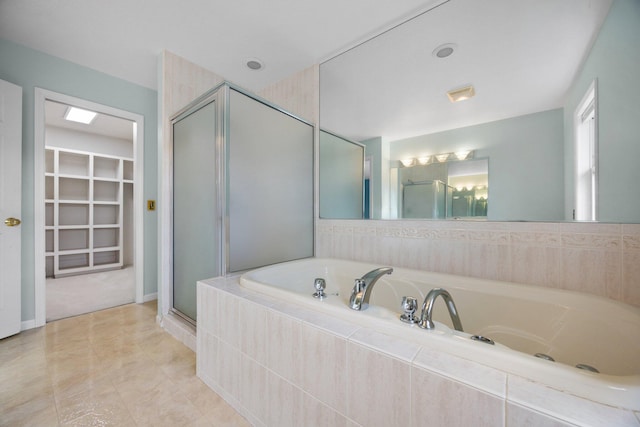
<point x="12" y="222"/>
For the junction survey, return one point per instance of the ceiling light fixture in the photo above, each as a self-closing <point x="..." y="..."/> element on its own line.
<point x="75" y="114"/>
<point x="254" y="64"/>
<point x="444" y="50"/>
<point x="461" y="94"/>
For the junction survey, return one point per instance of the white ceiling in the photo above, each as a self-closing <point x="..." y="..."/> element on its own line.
<point x="103" y="124"/>
<point x="520" y="55"/>
<point x="123" y="38"/>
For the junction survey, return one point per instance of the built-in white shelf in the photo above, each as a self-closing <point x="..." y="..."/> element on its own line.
<point x="84" y="210"/>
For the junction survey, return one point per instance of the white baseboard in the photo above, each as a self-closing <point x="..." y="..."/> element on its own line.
<point x="150" y="297"/>
<point x="28" y="324"/>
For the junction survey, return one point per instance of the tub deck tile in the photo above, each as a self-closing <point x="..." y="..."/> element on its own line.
<point x="566" y="407"/>
<point x="398" y="348"/>
<point x="480" y="376"/>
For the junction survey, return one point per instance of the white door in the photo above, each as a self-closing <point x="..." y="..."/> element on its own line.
<point x="10" y="205"/>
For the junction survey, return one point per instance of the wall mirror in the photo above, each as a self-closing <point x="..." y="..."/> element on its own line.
<point x="525" y="69"/>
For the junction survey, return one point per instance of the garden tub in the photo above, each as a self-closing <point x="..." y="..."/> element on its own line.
<point x="527" y="325"/>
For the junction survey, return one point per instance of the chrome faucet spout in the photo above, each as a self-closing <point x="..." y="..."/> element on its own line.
<point x="426" y="321"/>
<point x="362" y="288"/>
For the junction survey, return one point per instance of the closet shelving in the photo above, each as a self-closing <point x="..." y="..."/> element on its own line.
<point x="84" y="210"/>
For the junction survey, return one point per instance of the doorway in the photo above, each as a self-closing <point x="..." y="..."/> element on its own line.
<point x="88" y="215"/>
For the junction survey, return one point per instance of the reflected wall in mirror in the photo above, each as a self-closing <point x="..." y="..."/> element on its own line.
<point x="531" y="64"/>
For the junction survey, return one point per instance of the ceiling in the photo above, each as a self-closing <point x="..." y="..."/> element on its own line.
<point x="103" y="124"/>
<point x="123" y="38"/>
<point x="520" y="56"/>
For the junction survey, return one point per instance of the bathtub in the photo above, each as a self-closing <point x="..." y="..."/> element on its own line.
<point x="522" y="321"/>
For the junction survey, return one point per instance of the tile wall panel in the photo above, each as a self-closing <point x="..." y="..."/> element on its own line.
<point x="433" y="398"/>
<point x="297" y="94"/>
<point x="324" y="363"/>
<point x="320" y="370"/>
<point x="368" y="403"/>
<point x="600" y="259"/>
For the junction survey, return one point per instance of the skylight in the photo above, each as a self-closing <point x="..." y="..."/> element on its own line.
<point x="79" y="115"/>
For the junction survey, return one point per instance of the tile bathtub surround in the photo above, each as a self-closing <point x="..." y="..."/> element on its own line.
<point x="111" y="367"/>
<point x="600" y="259"/>
<point x="313" y="369"/>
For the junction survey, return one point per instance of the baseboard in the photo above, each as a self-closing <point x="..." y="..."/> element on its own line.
<point x="28" y="324"/>
<point x="180" y="329"/>
<point x="150" y="297"/>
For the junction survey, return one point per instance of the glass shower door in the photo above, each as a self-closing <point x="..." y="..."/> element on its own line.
<point x="196" y="230"/>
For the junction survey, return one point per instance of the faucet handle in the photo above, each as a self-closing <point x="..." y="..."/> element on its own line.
<point x="409" y="306"/>
<point x="320" y="285"/>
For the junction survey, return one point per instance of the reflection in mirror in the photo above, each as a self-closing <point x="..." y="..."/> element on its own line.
<point x="530" y="64"/>
<point x="441" y="189"/>
<point x="341" y="177"/>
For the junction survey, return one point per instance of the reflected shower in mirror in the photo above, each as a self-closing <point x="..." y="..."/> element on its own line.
<point x="530" y="64"/>
<point x="440" y="189"/>
<point x="341" y="177"/>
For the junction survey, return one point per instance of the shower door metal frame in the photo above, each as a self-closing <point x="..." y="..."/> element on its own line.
<point x="221" y="95"/>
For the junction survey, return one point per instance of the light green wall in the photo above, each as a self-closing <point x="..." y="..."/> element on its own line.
<point x="29" y="68"/>
<point x="614" y="61"/>
<point x="525" y="162"/>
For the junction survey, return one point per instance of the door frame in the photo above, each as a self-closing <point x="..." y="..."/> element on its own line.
<point x="41" y="96"/>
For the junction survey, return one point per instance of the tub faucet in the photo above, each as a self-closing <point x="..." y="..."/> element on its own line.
<point x="362" y="288"/>
<point x="427" y="309"/>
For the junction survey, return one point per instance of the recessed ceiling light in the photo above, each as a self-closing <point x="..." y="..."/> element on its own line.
<point x="254" y="64"/>
<point x="75" y="114"/>
<point x="461" y="94"/>
<point x="444" y="50"/>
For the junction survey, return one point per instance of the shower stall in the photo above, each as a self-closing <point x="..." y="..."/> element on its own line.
<point x="426" y="199"/>
<point x="242" y="189"/>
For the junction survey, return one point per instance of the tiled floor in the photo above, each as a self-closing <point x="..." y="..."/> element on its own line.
<point x="85" y="293"/>
<point x="111" y="367"/>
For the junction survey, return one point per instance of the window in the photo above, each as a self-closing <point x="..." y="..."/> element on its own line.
<point x="586" y="149"/>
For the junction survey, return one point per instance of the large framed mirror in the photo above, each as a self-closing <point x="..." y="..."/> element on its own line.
<point x="549" y="100"/>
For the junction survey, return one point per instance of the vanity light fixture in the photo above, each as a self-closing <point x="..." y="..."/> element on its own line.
<point x="461" y="94"/>
<point x="442" y="157"/>
<point x="462" y="155"/>
<point x="75" y="114"/>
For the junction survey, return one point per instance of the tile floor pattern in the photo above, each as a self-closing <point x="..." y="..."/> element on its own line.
<point x="111" y="367"/>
